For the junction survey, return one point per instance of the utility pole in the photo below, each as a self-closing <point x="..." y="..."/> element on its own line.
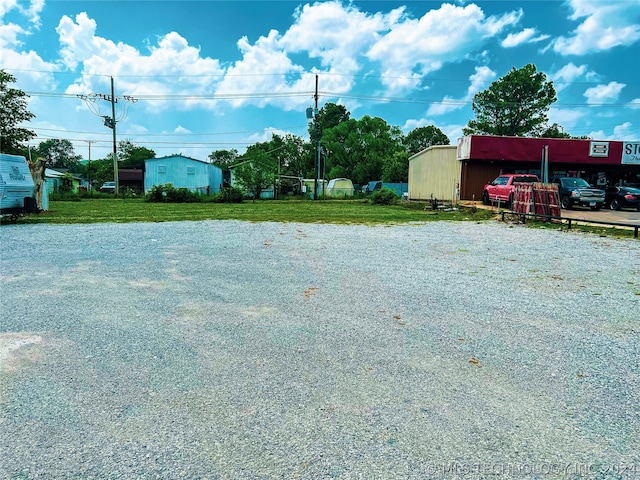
<point x="89" y="142"/>
<point x="315" y="195"/>
<point x="113" y="128"/>
<point x="110" y="121"/>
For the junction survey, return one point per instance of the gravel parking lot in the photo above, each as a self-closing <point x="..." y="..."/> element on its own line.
<point x="237" y="350"/>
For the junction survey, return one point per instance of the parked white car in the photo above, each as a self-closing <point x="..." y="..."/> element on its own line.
<point x="108" y="187"/>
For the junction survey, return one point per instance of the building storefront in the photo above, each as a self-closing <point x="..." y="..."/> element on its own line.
<point x="482" y="158"/>
<point x="601" y="163"/>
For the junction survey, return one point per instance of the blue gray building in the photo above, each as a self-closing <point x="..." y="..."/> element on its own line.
<point x="182" y="172"/>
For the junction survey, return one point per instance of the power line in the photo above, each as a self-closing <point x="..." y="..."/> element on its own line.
<point x="172" y="134"/>
<point x="279" y="74"/>
<point x="324" y="94"/>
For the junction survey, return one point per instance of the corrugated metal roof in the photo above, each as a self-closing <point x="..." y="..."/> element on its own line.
<point x="168" y="157"/>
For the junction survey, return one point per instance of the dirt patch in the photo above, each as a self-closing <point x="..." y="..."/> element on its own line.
<point x="10" y="344"/>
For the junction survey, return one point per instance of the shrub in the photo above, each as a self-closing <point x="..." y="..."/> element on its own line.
<point x="233" y="195"/>
<point x="168" y="193"/>
<point x="59" y="195"/>
<point x="384" y="196"/>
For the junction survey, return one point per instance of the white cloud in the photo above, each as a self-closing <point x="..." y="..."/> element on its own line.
<point x="599" y="135"/>
<point x="635" y="103"/>
<point x="570" y="73"/>
<point x="604" y="93"/>
<point x="79" y="43"/>
<point x="264" y="68"/>
<point x="6" y="6"/>
<point x="167" y="61"/>
<point x="11" y="55"/>
<point x="478" y="81"/>
<point x="623" y="132"/>
<point x="181" y="129"/>
<point x="565" y="117"/>
<point x="337" y="34"/>
<point x="33" y="12"/>
<point x="414" y="48"/>
<point x="525" y="36"/>
<point x="331" y="32"/>
<point x="606" y="25"/>
<point x="9" y="34"/>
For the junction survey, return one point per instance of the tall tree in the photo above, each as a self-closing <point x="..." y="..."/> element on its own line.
<point x="515" y="105"/>
<point x="99" y="171"/>
<point x="131" y="155"/>
<point x="59" y="153"/>
<point x="422" y="138"/>
<point x="359" y="149"/>
<point x="256" y="172"/>
<point x="555" y="131"/>
<point x="291" y="155"/>
<point x="13" y="112"/>
<point x="396" y="169"/>
<point x="223" y="158"/>
<point x="329" y="116"/>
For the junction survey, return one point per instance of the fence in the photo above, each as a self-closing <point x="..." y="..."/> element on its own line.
<point x="523" y="217"/>
<point x="538" y="198"/>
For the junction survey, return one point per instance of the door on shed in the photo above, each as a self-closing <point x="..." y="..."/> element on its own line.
<point x="475" y="175"/>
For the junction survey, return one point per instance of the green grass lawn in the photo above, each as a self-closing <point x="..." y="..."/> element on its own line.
<point x="304" y="211"/>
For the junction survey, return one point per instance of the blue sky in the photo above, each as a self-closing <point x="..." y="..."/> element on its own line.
<point x="210" y="75"/>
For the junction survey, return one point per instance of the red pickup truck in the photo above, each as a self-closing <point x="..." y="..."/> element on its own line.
<point x="502" y="188"/>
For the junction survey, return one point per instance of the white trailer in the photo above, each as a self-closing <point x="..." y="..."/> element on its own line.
<point x="16" y="187"/>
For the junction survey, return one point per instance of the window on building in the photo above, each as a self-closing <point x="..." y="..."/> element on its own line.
<point x="191" y="170"/>
<point x="162" y="169"/>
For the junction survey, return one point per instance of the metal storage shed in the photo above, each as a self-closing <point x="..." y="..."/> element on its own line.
<point x="434" y="173"/>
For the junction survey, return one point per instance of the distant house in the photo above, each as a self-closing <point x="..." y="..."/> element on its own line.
<point x="308" y="186"/>
<point x="132" y="178"/>
<point x="53" y="180"/>
<point x="182" y="172"/>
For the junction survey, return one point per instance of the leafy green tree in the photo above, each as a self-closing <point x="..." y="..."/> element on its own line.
<point x="59" y="153"/>
<point x="133" y="156"/>
<point x="396" y="169"/>
<point x="515" y="105"/>
<point x="291" y="155"/>
<point x="361" y="148"/>
<point x="256" y="172"/>
<point x="555" y="131"/>
<point x="99" y="171"/>
<point x="13" y="111"/>
<point x="338" y="171"/>
<point x="223" y="158"/>
<point x="329" y="116"/>
<point x="422" y="138"/>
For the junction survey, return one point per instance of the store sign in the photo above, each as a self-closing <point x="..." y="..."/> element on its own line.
<point x="599" y="149"/>
<point x="631" y="153"/>
<point x="464" y="148"/>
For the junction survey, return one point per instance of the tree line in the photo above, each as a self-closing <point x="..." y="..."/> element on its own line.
<point x="362" y="149"/>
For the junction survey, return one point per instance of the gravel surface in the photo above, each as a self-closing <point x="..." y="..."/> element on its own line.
<point x="238" y="350"/>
